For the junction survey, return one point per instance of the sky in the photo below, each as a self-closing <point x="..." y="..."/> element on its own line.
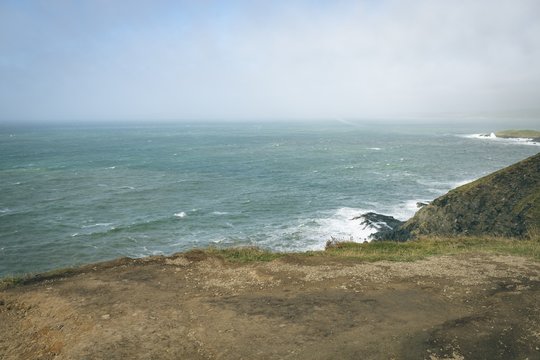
<point x="106" y="60"/>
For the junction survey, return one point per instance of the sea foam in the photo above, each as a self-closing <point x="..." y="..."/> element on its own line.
<point x="493" y="137"/>
<point x="343" y="224"/>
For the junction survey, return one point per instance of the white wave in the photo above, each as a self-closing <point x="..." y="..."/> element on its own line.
<point x="180" y="215"/>
<point x="340" y="224"/>
<point x="312" y="234"/>
<point x="493" y="137"/>
<point x="4" y="210"/>
<point x="406" y="210"/>
<point x="480" y="136"/>
<point x="343" y="224"/>
<point x="96" y="225"/>
<point x="220" y="213"/>
<point x="375" y="148"/>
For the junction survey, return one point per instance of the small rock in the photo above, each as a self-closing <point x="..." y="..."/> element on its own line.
<point x="106" y="317"/>
<point x="2" y="302"/>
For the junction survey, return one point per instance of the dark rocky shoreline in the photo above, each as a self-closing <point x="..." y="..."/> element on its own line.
<point x="504" y="203"/>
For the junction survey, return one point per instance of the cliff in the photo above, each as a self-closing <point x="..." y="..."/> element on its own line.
<point x="504" y="203"/>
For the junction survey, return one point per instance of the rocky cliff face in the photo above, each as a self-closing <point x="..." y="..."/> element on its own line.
<point x="504" y="203"/>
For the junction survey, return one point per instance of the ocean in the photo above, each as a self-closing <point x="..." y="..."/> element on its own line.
<point x="71" y="195"/>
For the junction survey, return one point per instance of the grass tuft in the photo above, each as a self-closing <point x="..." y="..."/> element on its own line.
<point x="425" y="247"/>
<point x="244" y="254"/>
<point x="10" y="281"/>
<point x="370" y="252"/>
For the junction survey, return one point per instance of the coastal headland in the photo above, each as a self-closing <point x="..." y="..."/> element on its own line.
<point x="519" y="134"/>
<point x="445" y="294"/>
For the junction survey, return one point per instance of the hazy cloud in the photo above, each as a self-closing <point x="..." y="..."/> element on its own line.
<point x="224" y="60"/>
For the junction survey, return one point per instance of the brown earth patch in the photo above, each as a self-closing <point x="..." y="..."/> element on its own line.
<point x="196" y="306"/>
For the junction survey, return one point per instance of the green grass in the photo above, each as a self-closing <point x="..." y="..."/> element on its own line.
<point x="518" y="134"/>
<point x="244" y="254"/>
<point x="10" y="281"/>
<point x="14" y="280"/>
<point x="369" y="252"/>
<point x="393" y="251"/>
<point x="422" y="248"/>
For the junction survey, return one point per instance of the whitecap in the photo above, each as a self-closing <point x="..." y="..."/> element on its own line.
<point x="347" y="224"/>
<point x="342" y="224"/>
<point x="481" y="136"/>
<point x="96" y="225"/>
<point x="493" y="137"/>
<point x="220" y="213"/>
<point x="375" y="148"/>
<point x="180" y="215"/>
<point x="405" y="210"/>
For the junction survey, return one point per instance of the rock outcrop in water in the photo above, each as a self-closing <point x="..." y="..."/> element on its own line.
<point x="504" y="203"/>
<point x="378" y="221"/>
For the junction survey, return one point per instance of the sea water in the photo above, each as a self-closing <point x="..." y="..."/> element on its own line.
<point x="78" y="194"/>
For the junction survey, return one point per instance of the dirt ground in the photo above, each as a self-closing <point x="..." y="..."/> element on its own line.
<point x="193" y="306"/>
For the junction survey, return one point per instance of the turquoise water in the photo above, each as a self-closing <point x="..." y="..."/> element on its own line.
<point x="73" y="195"/>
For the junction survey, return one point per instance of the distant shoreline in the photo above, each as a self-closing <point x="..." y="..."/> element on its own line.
<point x="534" y="135"/>
<point x="527" y="137"/>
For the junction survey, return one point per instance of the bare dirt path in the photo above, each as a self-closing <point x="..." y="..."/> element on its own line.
<point x="193" y="306"/>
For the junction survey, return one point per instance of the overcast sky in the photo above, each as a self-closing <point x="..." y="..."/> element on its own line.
<point x="144" y="60"/>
